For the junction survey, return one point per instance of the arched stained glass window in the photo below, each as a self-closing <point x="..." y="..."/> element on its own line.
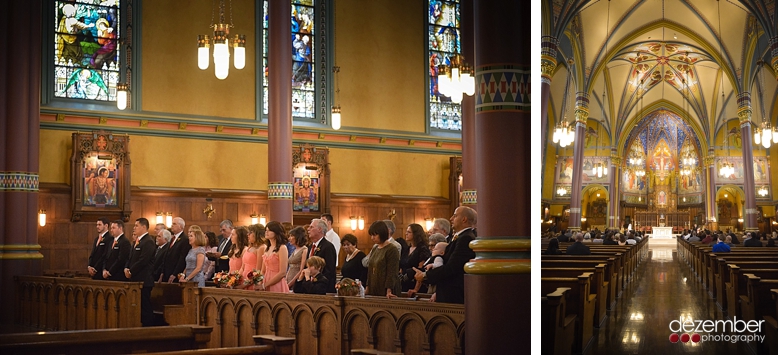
<point x="443" y="46"/>
<point x="303" y="22"/>
<point x="86" y="49"/>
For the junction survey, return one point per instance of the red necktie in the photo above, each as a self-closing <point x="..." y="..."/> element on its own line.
<point x="174" y="241"/>
<point x="313" y="249"/>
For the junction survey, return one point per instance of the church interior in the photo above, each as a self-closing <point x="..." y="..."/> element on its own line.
<point x="658" y="118"/>
<point x="105" y="113"/>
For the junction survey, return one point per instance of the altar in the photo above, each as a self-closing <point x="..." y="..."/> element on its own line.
<point x="662" y="232"/>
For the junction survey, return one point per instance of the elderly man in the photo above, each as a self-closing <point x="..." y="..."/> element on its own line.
<point x="450" y="278"/>
<point x="175" y="261"/>
<point x="99" y="250"/>
<point x="225" y="244"/>
<point x="321" y="247"/>
<point x="578" y="248"/>
<point x="331" y="236"/>
<point x="163" y="244"/>
<point x="442" y="226"/>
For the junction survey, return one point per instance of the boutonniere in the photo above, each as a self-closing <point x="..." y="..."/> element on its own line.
<point x="314" y="279"/>
<point x="317" y="250"/>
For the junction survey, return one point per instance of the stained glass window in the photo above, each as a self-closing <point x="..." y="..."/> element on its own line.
<point x="443" y="46"/>
<point x="303" y="23"/>
<point x="86" y="49"/>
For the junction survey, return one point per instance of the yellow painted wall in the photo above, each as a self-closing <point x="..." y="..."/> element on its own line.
<point x="388" y="173"/>
<point x="382" y="66"/>
<point x="172" y="82"/>
<point x="55" y="150"/>
<point x="197" y="163"/>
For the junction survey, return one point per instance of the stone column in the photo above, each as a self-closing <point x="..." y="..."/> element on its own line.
<point x="503" y="149"/>
<point x="20" y="88"/>
<point x="279" y="125"/>
<point x="613" y="209"/>
<point x="581" y="115"/>
<point x="744" y="115"/>
<point x="469" y="167"/>
<point x="710" y="199"/>
<point x="548" y="45"/>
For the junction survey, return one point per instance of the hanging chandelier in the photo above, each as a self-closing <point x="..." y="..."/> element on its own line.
<point x="726" y="169"/>
<point x="564" y="134"/>
<point x="640" y="173"/>
<point x="221" y="43"/>
<point x="561" y="191"/>
<point x="456" y="80"/>
<point x="599" y="170"/>
<point x="763" y="191"/>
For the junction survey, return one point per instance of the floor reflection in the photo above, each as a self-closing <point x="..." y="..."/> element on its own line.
<point x="663" y="289"/>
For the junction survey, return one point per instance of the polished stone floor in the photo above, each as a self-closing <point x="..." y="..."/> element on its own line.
<point x="664" y="289"/>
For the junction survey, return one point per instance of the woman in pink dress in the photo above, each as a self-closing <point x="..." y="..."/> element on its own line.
<point x="275" y="258"/>
<point x="240" y="241"/>
<point x="256" y="248"/>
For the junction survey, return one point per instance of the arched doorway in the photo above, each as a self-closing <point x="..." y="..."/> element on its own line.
<point x="729" y="207"/>
<point x="594" y="207"/>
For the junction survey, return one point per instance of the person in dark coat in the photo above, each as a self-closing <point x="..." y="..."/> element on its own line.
<point x="311" y="280"/>
<point x="101" y="245"/>
<point x="553" y="247"/>
<point x="751" y="241"/>
<point x="578" y="248"/>
<point x="117" y="255"/>
<point x="139" y="268"/>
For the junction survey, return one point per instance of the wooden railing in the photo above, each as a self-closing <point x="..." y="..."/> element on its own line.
<point x="59" y="303"/>
<point x="332" y="324"/>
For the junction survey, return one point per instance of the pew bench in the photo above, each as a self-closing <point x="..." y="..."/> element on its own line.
<point x="599" y="287"/>
<point x="580" y="302"/>
<point x="264" y="344"/>
<point x="558" y="327"/>
<point x="107" y="341"/>
<point x="174" y="303"/>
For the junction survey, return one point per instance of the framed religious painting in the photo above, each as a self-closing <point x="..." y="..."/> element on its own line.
<point x="100" y="176"/>
<point x="310" y="181"/>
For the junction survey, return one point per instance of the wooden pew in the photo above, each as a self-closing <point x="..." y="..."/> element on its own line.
<point x="719" y="272"/>
<point x="558" y="326"/>
<point x="737" y="285"/>
<point x="579" y="302"/>
<point x="264" y="344"/>
<point x="759" y="305"/>
<point x="611" y="274"/>
<point x="174" y="303"/>
<point x="599" y="287"/>
<point x="107" y="341"/>
<point x="771" y="326"/>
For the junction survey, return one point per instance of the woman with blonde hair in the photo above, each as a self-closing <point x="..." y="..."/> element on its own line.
<point x="196" y="257"/>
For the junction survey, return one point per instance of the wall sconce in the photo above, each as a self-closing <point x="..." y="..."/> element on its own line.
<point x="429" y="221"/>
<point x="168" y="219"/>
<point x="262" y="220"/>
<point x="160" y="218"/>
<point x="254" y="218"/>
<point x="42" y="218"/>
<point x="583" y="219"/>
<point x="740" y="220"/>
<point x="353" y="223"/>
<point x="361" y="223"/>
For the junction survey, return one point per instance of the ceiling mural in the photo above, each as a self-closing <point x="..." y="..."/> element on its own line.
<point x="663" y="134"/>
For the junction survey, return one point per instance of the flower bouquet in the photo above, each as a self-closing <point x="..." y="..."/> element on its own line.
<point x="254" y="277"/>
<point x="181" y="277"/>
<point x="228" y="280"/>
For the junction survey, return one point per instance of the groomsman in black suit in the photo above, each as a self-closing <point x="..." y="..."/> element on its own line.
<point x="323" y="248"/>
<point x="138" y="268"/>
<point x="220" y="255"/>
<point x="97" y="256"/>
<point x="118" y="254"/>
<point x="175" y="261"/>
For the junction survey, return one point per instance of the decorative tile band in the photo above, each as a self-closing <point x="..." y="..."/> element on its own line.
<point x="502" y="88"/>
<point x="279" y="191"/>
<point x="469" y="197"/>
<point x="18" y="181"/>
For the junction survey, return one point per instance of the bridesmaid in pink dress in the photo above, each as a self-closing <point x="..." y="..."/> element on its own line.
<point x="275" y="258"/>
<point x="239" y="239"/>
<point x="256" y="248"/>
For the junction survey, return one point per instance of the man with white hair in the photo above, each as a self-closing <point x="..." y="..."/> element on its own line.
<point x="322" y="247"/>
<point x="163" y="237"/>
<point x="442" y="226"/>
<point x="175" y="260"/>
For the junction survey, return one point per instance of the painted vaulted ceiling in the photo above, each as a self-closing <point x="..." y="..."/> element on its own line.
<point x="634" y="57"/>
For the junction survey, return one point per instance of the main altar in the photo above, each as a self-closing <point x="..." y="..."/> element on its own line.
<point x="662" y="232"/>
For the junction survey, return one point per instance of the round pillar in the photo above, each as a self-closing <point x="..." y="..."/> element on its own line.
<point x="744" y="115"/>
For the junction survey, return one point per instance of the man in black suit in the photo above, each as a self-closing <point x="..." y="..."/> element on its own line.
<point x="751" y="241"/>
<point x="118" y="254"/>
<point x="578" y="248"/>
<point x="175" y="260"/>
<point x="97" y="256"/>
<point x="163" y="245"/>
<point x="139" y="268"/>
<point x="564" y="237"/>
<point x="450" y="278"/>
<point x="225" y="244"/>
<point x="321" y="247"/>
